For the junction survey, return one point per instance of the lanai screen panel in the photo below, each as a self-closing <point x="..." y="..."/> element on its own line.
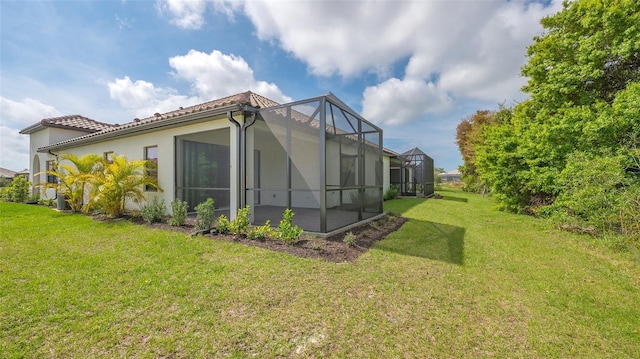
<point x="353" y="159"/>
<point x="429" y="181"/>
<point x="373" y="191"/>
<point x="283" y="164"/>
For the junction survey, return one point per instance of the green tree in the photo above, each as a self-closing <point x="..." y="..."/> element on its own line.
<point x="120" y="181"/>
<point x="584" y="75"/>
<point x="73" y="174"/>
<point x="468" y="136"/>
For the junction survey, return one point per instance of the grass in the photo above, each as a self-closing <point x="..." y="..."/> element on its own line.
<point x="457" y="280"/>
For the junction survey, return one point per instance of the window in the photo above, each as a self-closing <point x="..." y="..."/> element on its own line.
<point x="151" y="155"/>
<point x="51" y="166"/>
<point x="108" y="156"/>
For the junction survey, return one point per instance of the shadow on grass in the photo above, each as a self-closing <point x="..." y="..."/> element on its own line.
<point x="403" y="204"/>
<point x="429" y="240"/>
<point x="455" y="199"/>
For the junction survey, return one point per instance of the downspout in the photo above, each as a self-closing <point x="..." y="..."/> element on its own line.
<point x="56" y="198"/>
<point x="239" y="151"/>
<point x="243" y="158"/>
<point x="241" y="140"/>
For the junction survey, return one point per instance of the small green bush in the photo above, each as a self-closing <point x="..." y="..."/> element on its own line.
<point x="18" y="190"/>
<point x="260" y="233"/>
<point x="49" y="202"/>
<point x="287" y="231"/>
<point x="179" y="210"/>
<point x="204" y="214"/>
<point x="240" y="225"/>
<point x="391" y="193"/>
<point x="349" y="239"/>
<point x="154" y="211"/>
<point x="223" y="225"/>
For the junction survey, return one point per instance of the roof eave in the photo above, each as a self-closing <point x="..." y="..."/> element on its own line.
<point x="33" y="128"/>
<point x="151" y="126"/>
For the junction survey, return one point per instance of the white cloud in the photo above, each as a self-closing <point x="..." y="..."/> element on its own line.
<point x="25" y="112"/>
<point x="216" y="75"/>
<point x="186" y="14"/>
<point x="211" y="76"/>
<point x="14" y="148"/>
<point x="395" y="101"/>
<point x="468" y="50"/>
<point x="189" y="14"/>
<point x="345" y="37"/>
<point x="145" y="99"/>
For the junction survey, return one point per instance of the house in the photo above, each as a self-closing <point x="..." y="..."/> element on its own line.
<point x="7" y="174"/>
<point x="316" y="156"/>
<point x="451" y="176"/>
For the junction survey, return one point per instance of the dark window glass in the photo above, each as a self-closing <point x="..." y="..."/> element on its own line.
<point x="51" y="165"/>
<point x="151" y="155"/>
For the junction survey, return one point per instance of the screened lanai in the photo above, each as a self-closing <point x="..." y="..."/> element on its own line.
<point x="317" y="157"/>
<point x="415" y="174"/>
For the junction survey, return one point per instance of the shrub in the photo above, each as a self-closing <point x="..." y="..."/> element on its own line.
<point x="349" y="239"/>
<point x="118" y="181"/>
<point x="222" y="224"/>
<point x="4" y="182"/>
<point x="49" y="202"/>
<point x="591" y="196"/>
<point x="204" y="214"/>
<point x="240" y="225"/>
<point x="391" y="193"/>
<point x="260" y="233"/>
<point x="154" y="211"/>
<point x="18" y="190"/>
<point x="179" y="210"/>
<point x="73" y="175"/>
<point x="287" y="231"/>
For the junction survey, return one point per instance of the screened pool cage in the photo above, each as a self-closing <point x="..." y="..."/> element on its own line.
<point x="413" y="173"/>
<point x="317" y="157"/>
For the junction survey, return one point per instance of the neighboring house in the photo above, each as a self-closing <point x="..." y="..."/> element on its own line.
<point x="451" y="176"/>
<point x="7" y="174"/>
<point x="316" y="156"/>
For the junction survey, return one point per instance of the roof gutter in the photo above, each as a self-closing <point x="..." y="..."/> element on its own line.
<point x="31" y="129"/>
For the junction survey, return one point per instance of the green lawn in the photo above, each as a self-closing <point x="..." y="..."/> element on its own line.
<point x="457" y="280"/>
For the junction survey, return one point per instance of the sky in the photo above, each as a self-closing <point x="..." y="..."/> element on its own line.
<point x="413" y="68"/>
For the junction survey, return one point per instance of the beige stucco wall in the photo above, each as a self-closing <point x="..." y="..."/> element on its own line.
<point x="132" y="147"/>
<point x="38" y="161"/>
<point x="386" y="173"/>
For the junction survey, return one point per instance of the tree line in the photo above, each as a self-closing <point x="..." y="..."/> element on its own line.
<point x="571" y="151"/>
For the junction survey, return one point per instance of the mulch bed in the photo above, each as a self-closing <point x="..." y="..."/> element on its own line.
<point x="331" y="249"/>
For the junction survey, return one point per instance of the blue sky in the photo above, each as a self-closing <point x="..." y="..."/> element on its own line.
<point x="414" y="68"/>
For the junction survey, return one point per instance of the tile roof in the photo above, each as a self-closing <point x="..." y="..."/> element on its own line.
<point x="247" y="98"/>
<point x="76" y="122"/>
<point x="6" y="173"/>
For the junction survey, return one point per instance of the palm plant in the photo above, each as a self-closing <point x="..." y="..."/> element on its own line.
<point x="119" y="181"/>
<point x="73" y="177"/>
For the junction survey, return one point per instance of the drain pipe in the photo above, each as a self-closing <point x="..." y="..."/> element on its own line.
<point x="241" y="138"/>
<point x="240" y="154"/>
<point x="60" y="205"/>
<point x="243" y="159"/>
